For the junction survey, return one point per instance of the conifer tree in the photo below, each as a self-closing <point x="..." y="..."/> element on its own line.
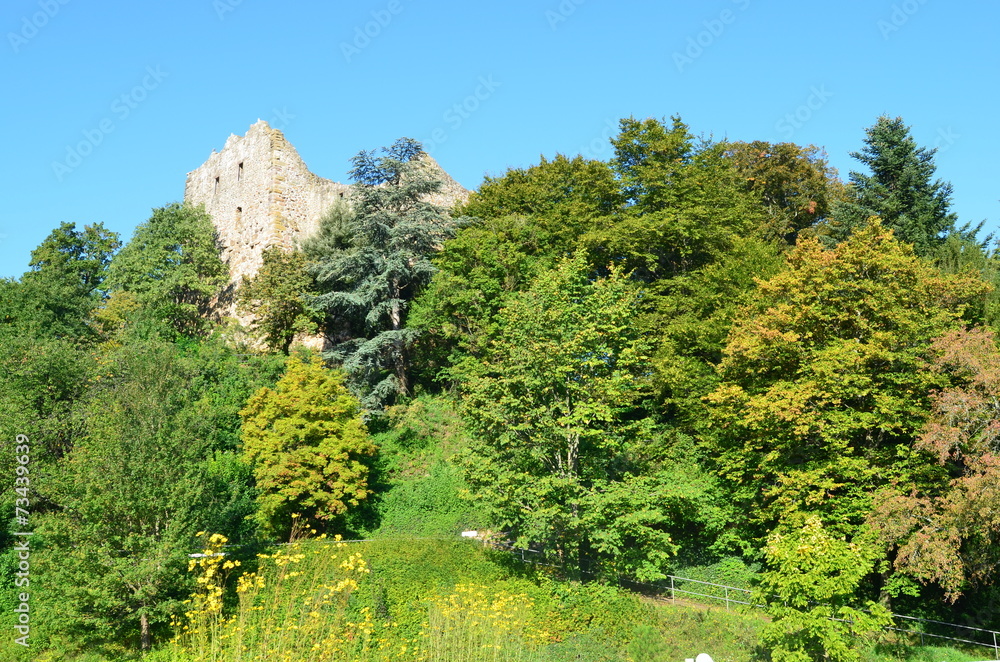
<point x="393" y="230"/>
<point x="899" y="190"/>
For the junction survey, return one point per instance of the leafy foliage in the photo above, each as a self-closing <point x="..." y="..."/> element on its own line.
<point x="275" y="296"/>
<point x="684" y="202"/>
<point x="563" y="197"/>
<point x="67" y="273"/>
<point x="692" y="317"/>
<point x="796" y="185"/>
<point x="552" y="408"/>
<point x="825" y="381"/>
<point x="809" y="594"/>
<point x="172" y="266"/>
<point x="307" y="444"/>
<point x="525" y="221"/>
<point x="130" y="495"/>
<point x="948" y="532"/>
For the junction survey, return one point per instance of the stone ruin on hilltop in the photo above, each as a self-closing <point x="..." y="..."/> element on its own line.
<point x="260" y="194"/>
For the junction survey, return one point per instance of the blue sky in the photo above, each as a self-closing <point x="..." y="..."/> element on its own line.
<point x="110" y="104"/>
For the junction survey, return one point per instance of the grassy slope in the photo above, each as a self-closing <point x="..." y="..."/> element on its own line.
<point x="425" y="583"/>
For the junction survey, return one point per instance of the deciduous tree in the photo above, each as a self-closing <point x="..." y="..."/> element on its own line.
<point x="809" y="592"/>
<point x="825" y="379"/>
<point x="553" y="405"/>
<point x="683" y="200"/>
<point x="796" y="185"/>
<point x="172" y="266"/>
<point x="129" y="498"/>
<point x="308" y="447"/>
<point x="948" y="533"/>
<point x="276" y="296"/>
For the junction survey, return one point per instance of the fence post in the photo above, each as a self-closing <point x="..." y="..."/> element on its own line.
<point x="996" y="653"/>
<point x="727" y="598"/>
<point x="672" y="600"/>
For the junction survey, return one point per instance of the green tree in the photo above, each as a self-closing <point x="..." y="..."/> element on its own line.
<point x="476" y="271"/>
<point x="130" y="496"/>
<point x="307" y="444"/>
<point x="825" y="379"/>
<point x="965" y="251"/>
<point x="796" y="185"/>
<point x="899" y="189"/>
<point x="684" y="202"/>
<point x="74" y="259"/>
<point x="525" y="221"/>
<point x="57" y="296"/>
<point x="692" y="317"/>
<point x="809" y="593"/>
<point x="172" y="266"/>
<point x="276" y="298"/>
<point x="564" y="198"/>
<point x="554" y="408"/>
<point x="393" y="231"/>
<point x="948" y="533"/>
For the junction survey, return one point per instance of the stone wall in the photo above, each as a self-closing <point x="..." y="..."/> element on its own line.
<point x="260" y="193"/>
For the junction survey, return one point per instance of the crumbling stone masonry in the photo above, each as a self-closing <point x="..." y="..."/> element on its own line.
<point x="260" y="193"/>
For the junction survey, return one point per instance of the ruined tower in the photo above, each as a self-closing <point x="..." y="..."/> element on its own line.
<point x="260" y="193"/>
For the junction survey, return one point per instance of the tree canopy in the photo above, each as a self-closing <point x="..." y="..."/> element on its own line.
<point x="899" y="189"/>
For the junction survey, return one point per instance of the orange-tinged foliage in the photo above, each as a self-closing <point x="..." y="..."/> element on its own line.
<point x="948" y="533"/>
<point x="827" y="377"/>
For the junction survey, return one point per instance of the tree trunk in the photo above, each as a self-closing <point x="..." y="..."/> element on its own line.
<point x="399" y="350"/>
<point x="145" y="639"/>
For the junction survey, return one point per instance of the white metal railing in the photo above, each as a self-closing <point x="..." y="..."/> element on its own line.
<point x="730" y="595"/>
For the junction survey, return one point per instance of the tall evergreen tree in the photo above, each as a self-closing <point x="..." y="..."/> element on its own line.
<point x="899" y="190"/>
<point x="393" y="230"/>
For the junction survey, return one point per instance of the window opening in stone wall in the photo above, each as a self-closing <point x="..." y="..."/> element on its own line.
<point x="216" y="192"/>
<point x="239" y="214"/>
<point x="341" y="195"/>
<point x="239" y="174"/>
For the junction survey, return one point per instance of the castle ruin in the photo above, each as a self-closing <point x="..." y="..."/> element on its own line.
<point x="260" y="194"/>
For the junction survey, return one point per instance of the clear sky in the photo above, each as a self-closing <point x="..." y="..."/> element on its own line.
<point x="110" y="104"/>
